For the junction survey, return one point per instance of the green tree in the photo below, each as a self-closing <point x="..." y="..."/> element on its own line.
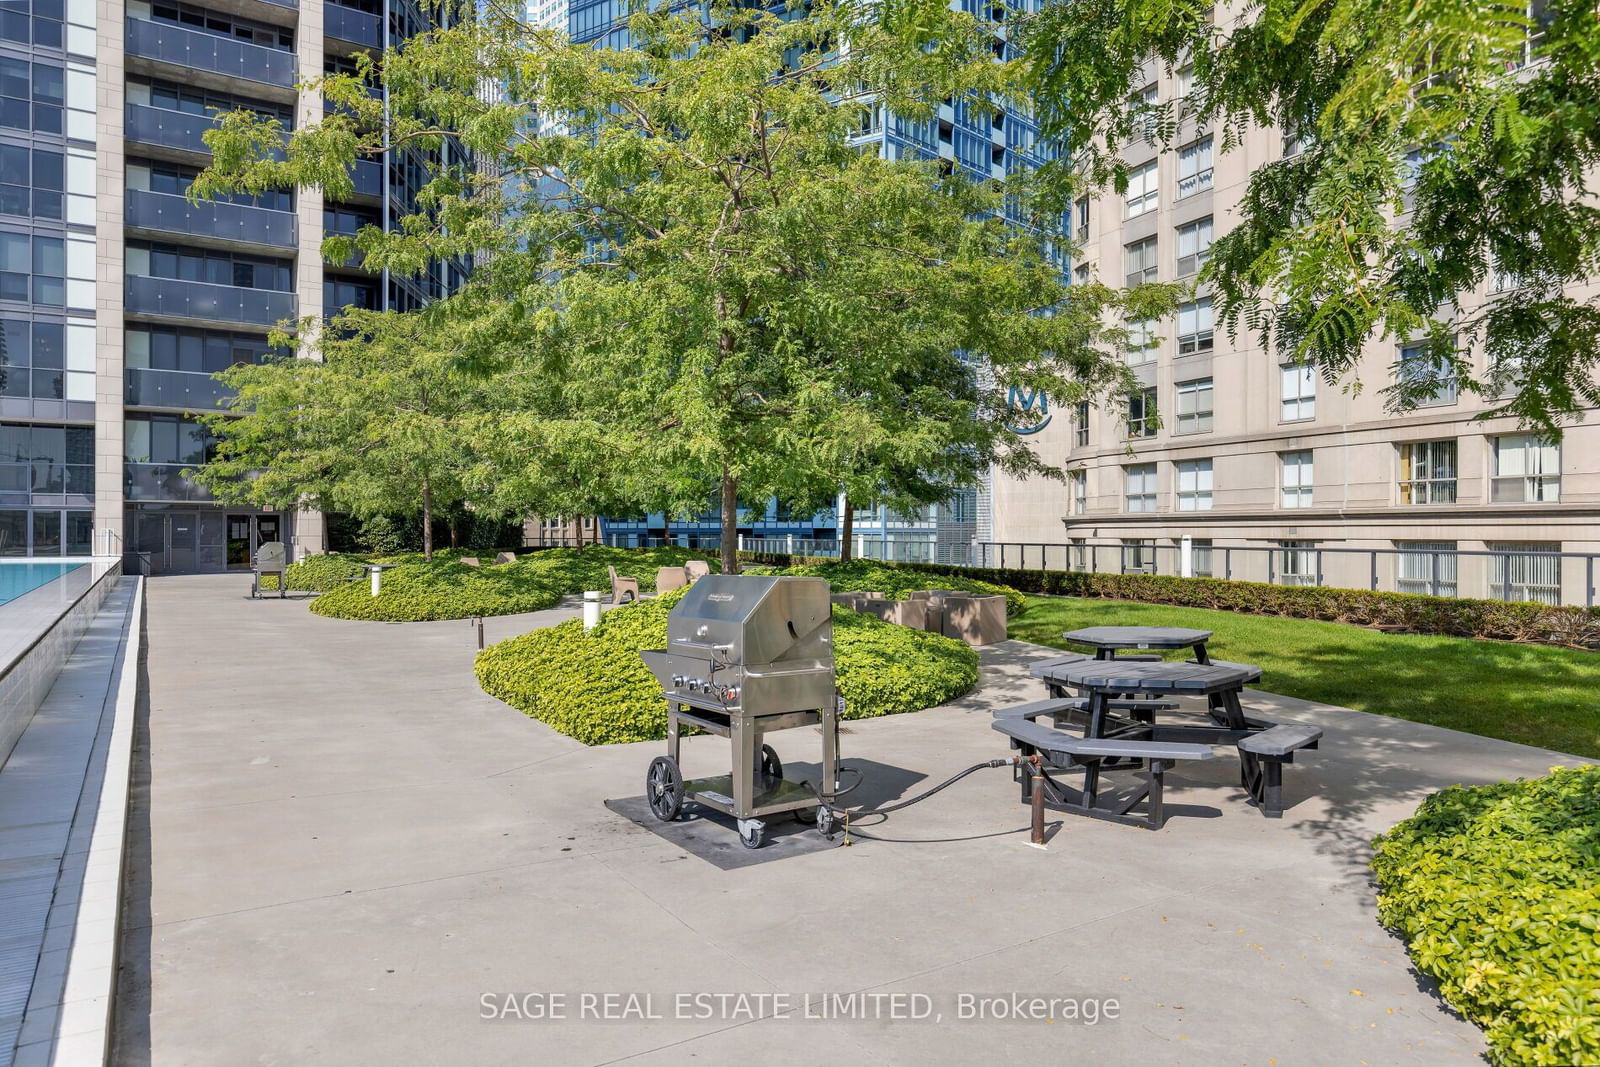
<point x="717" y="280"/>
<point x="372" y="417"/>
<point x="1442" y="142"/>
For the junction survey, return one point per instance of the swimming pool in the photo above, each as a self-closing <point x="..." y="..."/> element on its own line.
<point x="19" y="578"/>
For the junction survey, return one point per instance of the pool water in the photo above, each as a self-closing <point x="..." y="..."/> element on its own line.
<point x="19" y="578"/>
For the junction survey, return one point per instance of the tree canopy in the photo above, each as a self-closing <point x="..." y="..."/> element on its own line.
<point x="1444" y="143"/>
<point x="697" y="272"/>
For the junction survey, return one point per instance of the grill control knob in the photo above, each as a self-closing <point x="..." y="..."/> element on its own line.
<point x="678" y="680"/>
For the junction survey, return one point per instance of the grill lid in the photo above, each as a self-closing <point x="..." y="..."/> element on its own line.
<point x="754" y="619"/>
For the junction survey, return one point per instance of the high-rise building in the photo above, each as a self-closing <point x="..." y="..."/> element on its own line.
<point x="119" y="298"/>
<point x="1310" y="483"/>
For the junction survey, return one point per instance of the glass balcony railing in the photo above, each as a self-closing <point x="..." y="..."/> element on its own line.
<point x="368" y="176"/>
<point x="160" y="481"/>
<point x="197" y="50"/>
<point x="180" y="389"/>
<point x="171" y="129"/>
<point x="171" y="213"/>
<point x="347" y="24"/>
<point x="174" y="298"/>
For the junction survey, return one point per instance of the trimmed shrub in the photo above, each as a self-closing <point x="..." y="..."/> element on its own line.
<point x="1496" y="891"/>
<point x="893" y="580"/>
<point x="594" y="687"/>
<point x="319" y="574"/>
<point x="1571" y="627"/>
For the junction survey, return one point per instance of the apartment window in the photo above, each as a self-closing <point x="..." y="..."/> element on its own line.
<point x="1194" y="327"/>
<point x="1145" y="105"/>
<point x="1296" y="478"/>
<point x="1194" y="167"/>
<point x="1081" y="211"/>
<point x="46" y="360"/>
<point x="147" y="258"/>
<point x="1185" y="80"/>
<point x="207" y="20"/>
<point x="33" y="269"/>
<point x="1140" y="260"/>
<point x="1297" y="392"/>
<point x="1539" y="18"/>
<point x="1080" y="274"/>
<point x="48" y="460"/>
<point x="1142" y="415"/>
<point x="32" y="181"/>
<point x="1194" y="406"/>
<point x="1293" y="142"/>
<point x="1194" y="485"/>
<point x="1138" y="555"/>
<point x="1200" y="557"/>
<point x="1428" y="472"/>
<point x="166" y="439"/>
<point x="174" y="179"/>
<point x="1419" y="367"/>
<point x="340" y="293"/>
<point x="1426" y="567"/>
<point x="1194" y="246"/>
<point x="195" y="351"/>
<point x="43" y="29"/>
<point x="1525" y="570"/>
<point x="1077" y="492"/>
<point x="1142" y="195"/>
<point x="32" y="95"/>
<point x="1080" y="425"/>
<point x="1078" y="554"/>
<point x="1527" y="469"/>
<point x="1141" y="342"/>
<point x="1297" y="562"/>
<point x="1140" y="479"/>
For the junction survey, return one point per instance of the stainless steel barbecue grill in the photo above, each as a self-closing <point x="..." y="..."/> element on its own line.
<point x="746" y="656"/>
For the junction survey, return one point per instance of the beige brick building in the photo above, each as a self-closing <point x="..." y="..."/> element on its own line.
<point x="1306" y="481"/>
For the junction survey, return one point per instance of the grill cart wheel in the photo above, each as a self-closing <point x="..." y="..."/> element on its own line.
<point x="752" y="833"/>
<point x="663" y="788"/>
<point x="771" y="767"/>
<point x="824" y="820"/>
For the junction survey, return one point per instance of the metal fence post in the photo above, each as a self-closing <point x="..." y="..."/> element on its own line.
<point x="1588" y="581"/>
<point x="1433" y="574"/>
<point x="1319" y="568"/>
<point x="1227" y="564"/>
<point x="1272" y="568"/>
<point x="1374" y="570"/>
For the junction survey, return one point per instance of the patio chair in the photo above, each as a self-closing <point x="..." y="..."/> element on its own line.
<point x="696" y="569"/>
<point x="670" y="578"/>
<point x="271" y="558"/>
<point x="622" y="589"/>
<point x="506" y="557"/>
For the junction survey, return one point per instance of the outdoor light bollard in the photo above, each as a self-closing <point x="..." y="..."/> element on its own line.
<point x="1186" y="556"/>
<point x="591" y="609"/>
<point x="377" y="579"/>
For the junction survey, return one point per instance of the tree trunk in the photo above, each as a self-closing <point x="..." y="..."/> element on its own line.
<point x="666" y="528"/>
<point x="427" y="518"/>
<point x="455" y="531"/>
<point x="847" y="525"/>
<point x="730" y="522"/>
<point x="577" y="532"/>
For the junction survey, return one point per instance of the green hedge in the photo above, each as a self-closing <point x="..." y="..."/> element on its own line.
<point x="1448" y="616"/>
<point x="319" y="574"/>
<point x="417" y="590"/>
<point x="594" y="687"/>
<point x="897" y="581"/>
<point x="1496" y="890"/>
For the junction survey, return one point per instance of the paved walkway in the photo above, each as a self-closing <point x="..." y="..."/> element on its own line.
<point x="340" y="845"/>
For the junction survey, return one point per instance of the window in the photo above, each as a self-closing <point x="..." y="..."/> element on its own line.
<point x="32" y="181"/>
<point x="1200" y="557"/>
<point x="1194" y="406"/>
<point x="209" y="20"/>
<point x="1194" y="167"/>
<point x="1297" y="392"/>
<point x="1194" y="246"/>
<point x="1194" y="485"/>
<point x="37" y="360"/>
<point x="33" y="269"/>
<point x="1194" y="327"/>
<point x="1142" y="342"/>
<point x="1527" y="469"/>
<point x="171" y="348"/>
<point x="51" y="460"/>
<point x="1080" y="274"/>
<point x="1297" y="563"/>
<point x="32" y="95"/>
<point x="1433" y="375"/>
<point x="1525" y="571"/>
<point x="1142" y="195"/>
<point x="1145" y="105"/>
<point x="1428" y="472"/>
<point x="1078" y="554"/>
<point x="1293" y="142"/>
<point x="1142" y="417"/>
<point x="340" y="293"/>
<point x="1539" y="18"/>
<point x="1296" y="478"/>
<point x="1140" y="480"/>
<point x="1080" y="425"/>
<point x="1077" y="492"/>
<point x="208" y="265"/>
<point x="1138" y="555"/>
<point x="1140" y="261"/>
<point x="1081" y="210"/>
<point x="1185" y="80"/>
<point x="42" y="30"/>
<point x="1427" y="567"/>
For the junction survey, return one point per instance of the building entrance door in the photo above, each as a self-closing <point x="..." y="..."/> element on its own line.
<point x="182" y="536"/>
<point x="240" y="549"/>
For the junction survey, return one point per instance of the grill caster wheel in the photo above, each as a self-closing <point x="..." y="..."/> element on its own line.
<point x="825" y="820"/>
<point x="752" y="833"/>
<point x="771" y="767"/>
<point x="663" y="788"/>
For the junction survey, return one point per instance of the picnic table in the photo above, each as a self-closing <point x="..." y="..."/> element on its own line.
<point x="1111" y="724"/>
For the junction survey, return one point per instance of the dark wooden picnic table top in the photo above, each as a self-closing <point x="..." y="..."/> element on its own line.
<point x="1138" y="636"/>
<point x="1162" y="676"/>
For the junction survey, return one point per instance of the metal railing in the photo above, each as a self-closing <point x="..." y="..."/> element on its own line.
<point x="188" y="390"/>
<point x="173" y="298"/>
<point x="171" y="213"/>
<point x="198" y="50"/>
<point x="347" y="24"/>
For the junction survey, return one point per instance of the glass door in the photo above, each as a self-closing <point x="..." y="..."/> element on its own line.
<point x="182" y="533"/>
<point x="238" y="543"/>
<point x="268" y="529"/>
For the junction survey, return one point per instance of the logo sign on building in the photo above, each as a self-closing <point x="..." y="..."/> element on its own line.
<point x="1031" y="408"/>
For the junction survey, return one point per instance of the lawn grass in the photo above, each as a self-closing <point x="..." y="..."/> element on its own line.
<point x="1531" y="694"/>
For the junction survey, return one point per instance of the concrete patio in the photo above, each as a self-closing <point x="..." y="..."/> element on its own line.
<point x="338" y="845"/>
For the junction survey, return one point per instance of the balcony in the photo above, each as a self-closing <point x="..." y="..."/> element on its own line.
<point x="171" y="298"/>
<point x="171" y="213"/>
<point x="176" y="389"/>
<point x="160" y="481"/>
<point x="368" y="177"/>
<point x="195" y="50"/>
<point x="179" y="130"/>
<point x="348" y="24"/>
